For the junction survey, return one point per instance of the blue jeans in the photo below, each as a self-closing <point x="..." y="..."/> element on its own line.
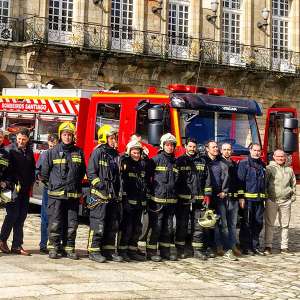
<point x="225" y="231"/>
<point x="44" y="219"/>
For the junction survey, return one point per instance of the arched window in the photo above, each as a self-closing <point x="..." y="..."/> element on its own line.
<point x="280" y="33"/>
<point x="231" y="31"/>
<point x="121" y="24"/>
<point x="178" y="28"/>
<point x="60" y="19"/>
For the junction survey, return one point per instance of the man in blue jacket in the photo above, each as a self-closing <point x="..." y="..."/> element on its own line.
<point x="251" y="174"/>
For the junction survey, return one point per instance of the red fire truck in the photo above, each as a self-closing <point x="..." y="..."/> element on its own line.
<point x="187" y="111"/>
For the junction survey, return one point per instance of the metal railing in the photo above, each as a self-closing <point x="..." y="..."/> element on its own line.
<point x="95" y="37"/>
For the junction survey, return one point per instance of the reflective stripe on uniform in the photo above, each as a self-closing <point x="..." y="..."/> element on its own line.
<point x="123" y="247"/>
<point x="74" y="195"/>
<point x="99" y="194"/>
<point x="154" y="247"/>
<point x="76" y="159"/>
<point x="95" y="181"/>
<point x="59" y="161"/>
<point x="185" y="197"/>
<point x="255" y="195"/>
<point x="199" y="197"/>
<point x="200" y="167"/>
<point x="179" y="243"/>
<point x="93" y="250"/>
<point x="207" y="189"/>
<point x="132" y="248"/>
<point x="197" y="245"/>
<point x="91" y="234"/>
<point x="175" y="170"/>
<point x="166" y="201"/>
<point x="103" y="163"/>
<point x="132" y="175"/>
<point x="68" y="248"/>
<point x="240" y="192"/>
<point x="164" y="245"/>
<point x="56" y="193"/>
<point x="161" y="168"/>
<point x="109" y="247"/>
<point x="185" y="168"/>
<point x="4" y="162"/>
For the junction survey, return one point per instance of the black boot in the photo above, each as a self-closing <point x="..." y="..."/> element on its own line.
<point x="53" y="254"/>
<point x="166" y="254"/>
<point x="135" y="256"/>
<point x="151" y="255"/>
<point x="112" y="256"/>
<point x="200" y="255"/>
<point x="72" y="255"/>
<point x="181" y="253"/>
<point x="125" y="256"/>
<point x="97" y="257"/>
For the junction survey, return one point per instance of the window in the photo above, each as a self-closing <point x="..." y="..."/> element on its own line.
<point x="240" y="130"/>
<point x="60" y="15"/>
<point x="107" y="114"/>
<point x="178" y="24"/>
<point x="48" y="124"/>
<point x="231" y="26"/>
<point x="4" y="10"/>
<point x="121" y="22"/>
<point x="142" y="122"/>
<point x="280" y="29"/>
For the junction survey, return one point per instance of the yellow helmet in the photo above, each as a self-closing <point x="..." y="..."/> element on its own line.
<point x="104" y="132"/>
<point x="66" y="126"/>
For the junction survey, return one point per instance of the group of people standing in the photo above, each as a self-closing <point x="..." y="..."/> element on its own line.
<point x="170" y="189"/>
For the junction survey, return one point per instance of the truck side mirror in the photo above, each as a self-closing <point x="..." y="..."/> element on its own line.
<point x="155" y="125"/>
<point x="290" y="138"/>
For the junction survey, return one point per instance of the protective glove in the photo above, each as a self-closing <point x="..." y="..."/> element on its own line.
<point x="206" y="200"/>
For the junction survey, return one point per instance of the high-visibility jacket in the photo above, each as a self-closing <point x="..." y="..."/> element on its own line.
<point x="252" y="176"/>
<point x="103" y="173"/>
<point x="164" y="177"/>
<point x="4" y="165"/>
<point x="194" y="178"/>
<point x="63" y="170"/>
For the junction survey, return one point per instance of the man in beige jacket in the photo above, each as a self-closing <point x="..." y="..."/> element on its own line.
<point x="281" y="189"/>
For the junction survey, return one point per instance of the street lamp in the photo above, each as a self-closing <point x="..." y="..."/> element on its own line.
<point x="214" y="4"/>
<point x="265" y="13"/>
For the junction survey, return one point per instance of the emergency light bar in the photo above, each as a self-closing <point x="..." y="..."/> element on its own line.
<point x="182" y="88"/>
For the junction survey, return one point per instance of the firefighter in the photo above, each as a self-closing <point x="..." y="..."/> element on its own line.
<point x="194" y="193"/>
<point x="163" y="200"/>
<point x="22" y="175"/>
<point x="227" y="208"/>
<point x="134" y="190"/>
<point x="104" y="176"/>
<point x="252" y="174"/>
<point x="62" y="171"/>
<point x="220" y="187"/>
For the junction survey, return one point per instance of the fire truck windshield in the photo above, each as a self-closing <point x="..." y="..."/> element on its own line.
<point x="240" y="130"/>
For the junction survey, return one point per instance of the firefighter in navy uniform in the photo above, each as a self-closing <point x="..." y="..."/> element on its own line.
<point x="163" y="201"/>
<point x="134" y="190"/>
<point x="62" y="171"/>
<point x="194" y="193"/>
<point x="104" y="176"/>
<point x="252" y="176"/>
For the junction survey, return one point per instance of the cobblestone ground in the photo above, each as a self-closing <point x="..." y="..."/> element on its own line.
<point x="37" y="277"/>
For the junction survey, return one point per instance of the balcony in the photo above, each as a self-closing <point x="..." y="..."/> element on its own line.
<point x="97" y="38"/>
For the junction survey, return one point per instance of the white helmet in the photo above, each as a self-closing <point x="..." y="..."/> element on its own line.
<point x="168" y="137"/>
<point x="133" y="145"/>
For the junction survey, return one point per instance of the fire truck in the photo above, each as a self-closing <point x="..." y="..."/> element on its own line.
<point x="187" y="111"/>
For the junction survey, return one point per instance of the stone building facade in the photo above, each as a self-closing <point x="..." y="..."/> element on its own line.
<point x="131" y="44"/>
